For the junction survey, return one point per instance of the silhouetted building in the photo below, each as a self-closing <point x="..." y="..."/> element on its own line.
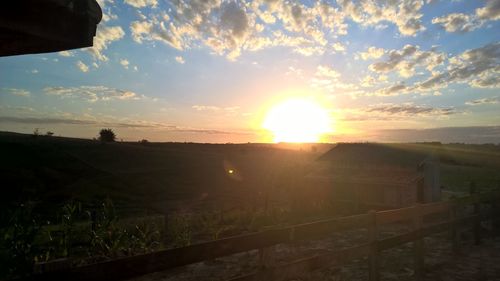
<point x="378" y="175"/>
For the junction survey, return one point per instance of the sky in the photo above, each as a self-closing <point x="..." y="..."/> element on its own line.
<point x="210" y="71"/>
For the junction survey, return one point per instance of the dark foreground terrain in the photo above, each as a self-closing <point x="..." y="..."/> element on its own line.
<point x="93" y="201"/>
<point x="160" y="177"/>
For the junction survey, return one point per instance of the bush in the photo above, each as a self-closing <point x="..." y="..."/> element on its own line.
<point x="107" y="135"/>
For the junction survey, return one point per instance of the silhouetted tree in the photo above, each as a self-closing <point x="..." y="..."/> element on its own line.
<point x="107" y="135"/>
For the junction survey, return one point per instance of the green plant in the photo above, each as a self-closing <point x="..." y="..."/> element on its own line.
<point x="144" y="239"/>
<point x="106" y="237"/>
<point x="18" y="251"/>
<point x="179" y="230"/>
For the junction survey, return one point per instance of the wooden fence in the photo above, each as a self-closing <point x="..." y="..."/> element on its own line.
<point x="426" y="219"/>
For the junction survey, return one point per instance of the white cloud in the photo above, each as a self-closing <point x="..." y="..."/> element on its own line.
<point x="66" y="53"/>
<point x="405" y="14"/>
<point x="16" y="92"/>
<point x="83" y="67"/>
<point x="142" y="3"/>
<point x="230" y="110"/>
<point x="205" y="107"/>
<point x="230" y="28"/>
<point x="492" y="100"/>
<point x="372" y="53"/>
<point x="294" y="71"/>
<point x="489" y="12"/>
<point x="125" y="63"/>
<point x="477" y="67"/>
<point x="105" y="35"/>
<point x="92" y="93"/>
<point x="459" y="22"/>
<point x="406" y="60"/>
<point x="325" y="71"/>
<point x="409" y="110"/>
<point x="141" y="30"/>
<point x="180" y="59"/>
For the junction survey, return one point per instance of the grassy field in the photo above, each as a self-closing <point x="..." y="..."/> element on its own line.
<point x="157" y="177"/>
<point x="161" y="177"/>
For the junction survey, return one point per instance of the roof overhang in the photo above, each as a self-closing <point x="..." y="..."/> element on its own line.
<point x="41" y="26"/>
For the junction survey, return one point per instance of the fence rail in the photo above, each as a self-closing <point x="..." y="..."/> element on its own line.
<point x="128" y="267"/>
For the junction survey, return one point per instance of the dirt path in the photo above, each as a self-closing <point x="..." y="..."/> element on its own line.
<point x="472" y="263"/>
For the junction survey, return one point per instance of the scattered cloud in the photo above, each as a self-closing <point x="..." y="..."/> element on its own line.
<point x="405" y="61"/>
<point x="405" y="14"/>
<point x="230" y="28"/>
<point x="460" y="22"/>
<point x="477" y="67"/>
<point x="180" y="59"/>
<point x="92" y="93"/>
<point x="105" y="35"/>
<point x="229" y="109"/>
<point x="83" y="67"/>
<point x="125" y="63"/>
<point x="457" y="22"/>
<point x="325" y="71"/>
<point x="66" y="53"/>
<point x="294" y="71"/>
<point x="372" y="53"/>
<point x="16" y="92"/>
<point x="141" y="3"/>
<point x="489" y="12"/>
<point x="393" y="90"/>
<point x="492" y="100"/>
<point x="409" y="109"/>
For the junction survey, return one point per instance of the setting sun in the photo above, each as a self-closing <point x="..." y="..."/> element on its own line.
<point x="297" y="120"/>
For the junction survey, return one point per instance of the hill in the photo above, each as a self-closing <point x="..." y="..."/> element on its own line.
<point x="161" y="177"/>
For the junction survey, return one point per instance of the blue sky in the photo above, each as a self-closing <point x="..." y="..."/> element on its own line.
<point x="208" y="71"/>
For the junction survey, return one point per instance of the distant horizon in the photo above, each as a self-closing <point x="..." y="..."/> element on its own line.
<point x="490" y="135"/>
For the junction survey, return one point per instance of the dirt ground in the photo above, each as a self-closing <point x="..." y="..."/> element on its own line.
<point x="474" y="263"/>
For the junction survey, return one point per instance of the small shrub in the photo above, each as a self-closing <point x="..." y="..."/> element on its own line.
<point x="107" y="135"/>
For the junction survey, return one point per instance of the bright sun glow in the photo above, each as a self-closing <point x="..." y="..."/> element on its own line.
<point x="297" y="120"/>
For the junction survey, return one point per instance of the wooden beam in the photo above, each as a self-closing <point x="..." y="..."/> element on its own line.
<point x="396" y="215"/>
<point x="374" y="256"/>
<point x="418" y="244"/>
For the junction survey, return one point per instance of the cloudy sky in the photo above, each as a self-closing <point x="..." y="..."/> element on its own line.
<point x="208" y="71"/>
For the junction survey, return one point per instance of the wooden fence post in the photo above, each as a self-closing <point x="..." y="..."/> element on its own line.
<point x="477" y="212"/>
<point x="418" y="244"/>
<point x="455" y="238"/>
<point x="266" y="257"/>
<point x="374" y="252"/>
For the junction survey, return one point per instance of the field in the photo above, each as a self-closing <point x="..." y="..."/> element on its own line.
<point x="79" y="190"/>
